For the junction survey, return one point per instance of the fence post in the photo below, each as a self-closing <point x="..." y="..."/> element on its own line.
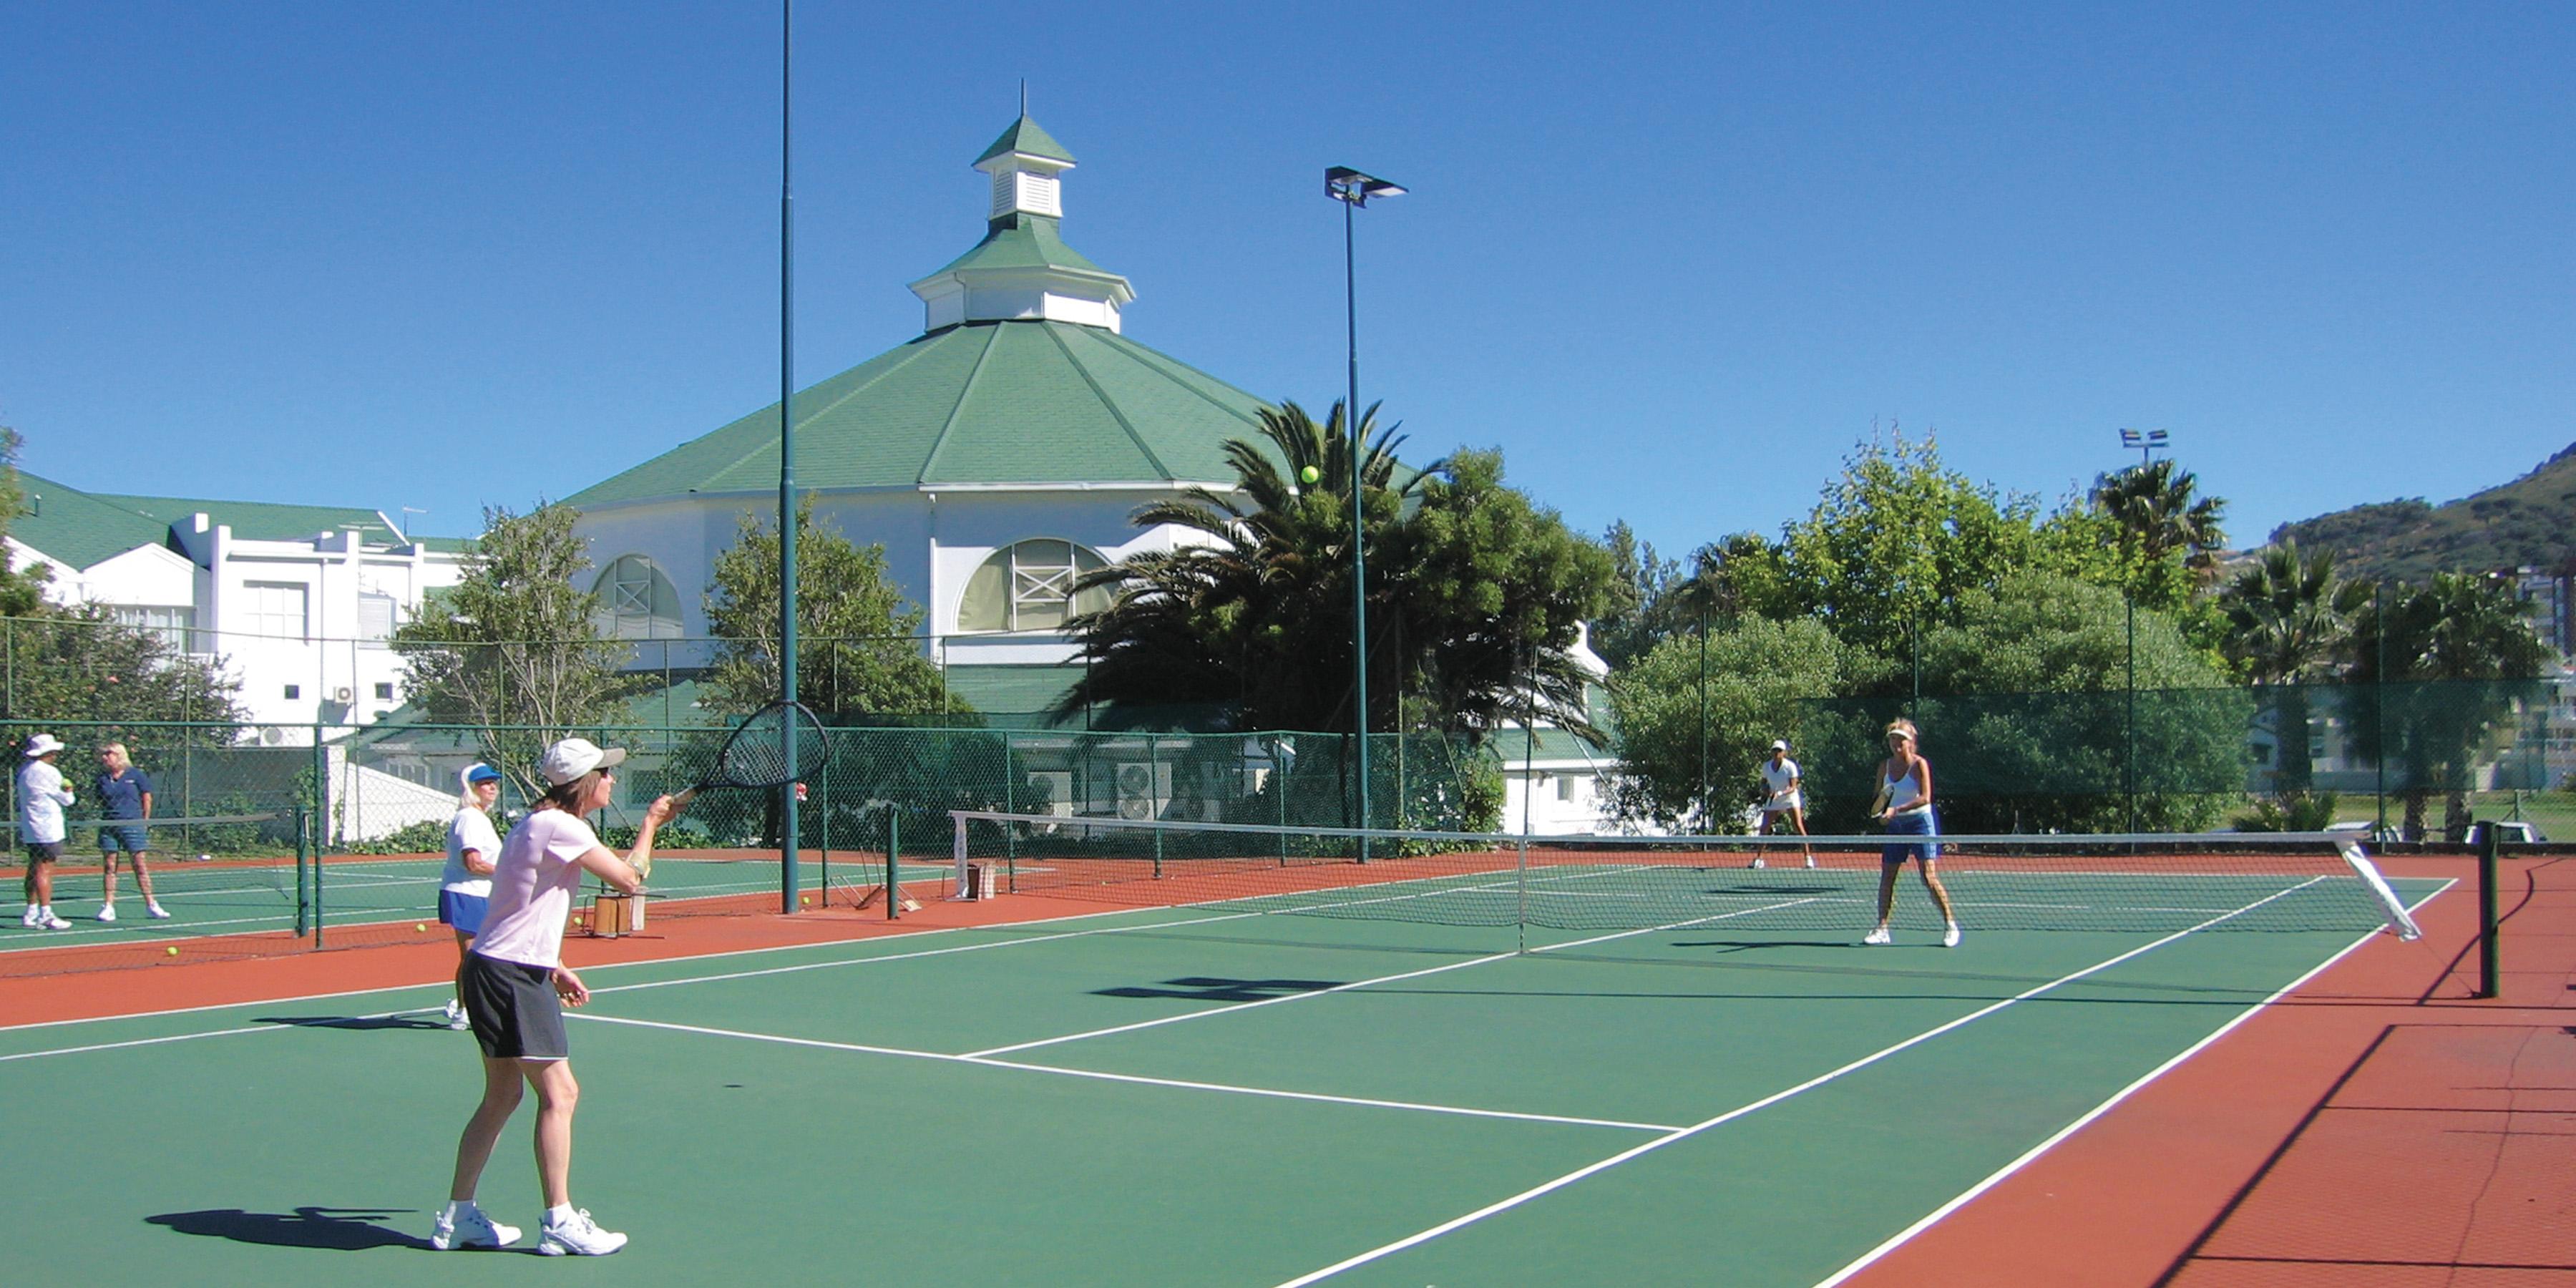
<point x="321" y="824"/>
<point x="302" y="913"/>
<point x="894" y="848"/>
<point x="2490" y="964"/>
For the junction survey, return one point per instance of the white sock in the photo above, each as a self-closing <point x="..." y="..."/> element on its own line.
<point x="457" y="1208"/>
<point x="559" y="1214"/>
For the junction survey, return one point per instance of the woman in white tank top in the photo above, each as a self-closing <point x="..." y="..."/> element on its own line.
<point x="1905" y="804"/>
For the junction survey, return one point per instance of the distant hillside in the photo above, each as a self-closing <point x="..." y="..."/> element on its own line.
<point x="2530" y="521"/>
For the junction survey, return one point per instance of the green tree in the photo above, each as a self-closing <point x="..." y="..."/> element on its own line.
<point x="1639" y="581"/>
<point x="2460" y="666"/>
<point x="513" y="649"/>
<point x="1893" y="544"/>
<point x="2034" y="726"/>
<point x="2161" y="516"/>
<point x="858" y="650"/>
<point x="2288" y="617"/>
<point x="22" y="591"/>
<point x="1760" y="678"/>
<point x="1471" y="590"/>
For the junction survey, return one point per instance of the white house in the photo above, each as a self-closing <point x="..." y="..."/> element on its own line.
<point x="297" y="601"/>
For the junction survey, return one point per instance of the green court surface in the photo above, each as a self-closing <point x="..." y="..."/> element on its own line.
<point x="229" y="898"/>
<point x="1178" y="1096"/>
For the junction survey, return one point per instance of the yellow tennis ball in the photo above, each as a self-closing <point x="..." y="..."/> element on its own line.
<point x="420" y="926"/>
<point x="804" y="900"/>
<point x="173" y="950"/>
<point x="1310" y="474"/>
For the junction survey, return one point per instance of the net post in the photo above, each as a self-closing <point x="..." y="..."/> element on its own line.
<point x="2490" y="947"/>
<point x="302" y="907"/>
<point x="1520" y="917"/>
<point x="894" y="846"/>
<point x="959" y="846"/>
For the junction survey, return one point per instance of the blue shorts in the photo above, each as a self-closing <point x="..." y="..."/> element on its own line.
<point x="463" y="911"/>
<point x="1911" y="823"/>
<point x="128" y="838"/>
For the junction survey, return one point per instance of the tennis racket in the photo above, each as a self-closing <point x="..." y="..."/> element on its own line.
<point x="755" y="756"/>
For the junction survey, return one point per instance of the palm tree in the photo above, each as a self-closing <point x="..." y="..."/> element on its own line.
<point x="1254" y="612"/>
<point x="2287" y="615"/>
<point x="2159" y="514"/>
<point x="2458" y="627"/>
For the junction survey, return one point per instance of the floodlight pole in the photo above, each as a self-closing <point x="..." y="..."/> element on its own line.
<point x="787" y="877"/>
<point x="1353" y="189"/>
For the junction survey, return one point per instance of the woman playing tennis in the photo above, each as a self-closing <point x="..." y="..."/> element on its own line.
<point x="466" y="886"/>
<point x="516" y="987"/>
<point x="1905" y="804"/>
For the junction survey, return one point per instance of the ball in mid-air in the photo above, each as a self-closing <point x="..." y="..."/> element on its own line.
<point x="1310" y="474"/>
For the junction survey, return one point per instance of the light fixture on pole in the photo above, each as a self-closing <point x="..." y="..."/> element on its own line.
<point x="2144" y="442"/>
<point x="1353" y="189"/>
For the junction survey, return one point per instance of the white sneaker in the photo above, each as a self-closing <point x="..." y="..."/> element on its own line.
<point x="107" y="912"/>
<point x="51" y="922"/>
<point x="469" y="1228"/>
<point x="1879" y="937"/>
<point x="28" y="918"/>
<point x="160" y="913"/>
<point x="456" y="1017"/>
<point x="1757" y="863"/>
<point x="1811" y="860"/>
<point x="579" y="1236"/>
<point x="1950" y="936"/>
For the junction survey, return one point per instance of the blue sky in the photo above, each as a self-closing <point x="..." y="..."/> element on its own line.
<point x="1675" y="260"/>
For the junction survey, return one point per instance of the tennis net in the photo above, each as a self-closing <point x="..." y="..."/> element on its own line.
<point x="2153" y="883"/>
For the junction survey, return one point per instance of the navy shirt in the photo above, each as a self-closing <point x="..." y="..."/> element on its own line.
<point x="122" y="797"/>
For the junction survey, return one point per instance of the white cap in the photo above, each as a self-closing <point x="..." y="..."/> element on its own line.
<point x="573" y="757"/>
<point x="42" y="743"/>
<point x="1778" y="745"/>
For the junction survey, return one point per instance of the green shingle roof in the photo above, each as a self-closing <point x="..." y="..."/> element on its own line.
<point x="77" y="528"/>
<point x="1025" y="136"/>
<point x="1025" y="241"/>
<point x="1026" y="402"/>
<point x="259" y="520"/>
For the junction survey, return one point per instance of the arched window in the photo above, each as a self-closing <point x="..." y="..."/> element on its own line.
<point x="636" y="602"/>
<point x="1029" y="587"/>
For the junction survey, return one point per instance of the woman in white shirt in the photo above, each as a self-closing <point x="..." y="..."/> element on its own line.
<point x="1904" y="804"/>
<point x="516" y="987"/>
<point x="466" y="885"/>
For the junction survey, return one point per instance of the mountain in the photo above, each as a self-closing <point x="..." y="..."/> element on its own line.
<point x="2529" y="522"/>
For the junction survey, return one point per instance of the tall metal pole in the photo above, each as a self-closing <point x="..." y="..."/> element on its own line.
<point x="787" y="877"/>
<point x="1359" y="522"/>
<point x="2129" y="772"/>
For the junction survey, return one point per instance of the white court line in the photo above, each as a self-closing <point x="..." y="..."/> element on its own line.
<point x="143" y="1042"/>
<point x="1096" y="1075"/>
<point x="2001" y="1174"/>
<point x="1549" y="1187"/>
<point x="1365" y="983"/>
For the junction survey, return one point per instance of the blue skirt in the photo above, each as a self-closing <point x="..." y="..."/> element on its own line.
<point x="1911" y="823"/>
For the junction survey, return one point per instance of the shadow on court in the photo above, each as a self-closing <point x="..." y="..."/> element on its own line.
<point x="1215" y="989"/>
<point x="323" y="1228"/>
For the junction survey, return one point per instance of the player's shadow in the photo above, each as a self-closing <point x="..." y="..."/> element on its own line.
<point x="1209" y="989"/>
<point x="368" y="1023"/>
<point x="325" y="1228"/>
<point x="1753" y="945"/>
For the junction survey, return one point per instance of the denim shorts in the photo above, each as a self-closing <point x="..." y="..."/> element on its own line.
<point x="1911" y="823"/>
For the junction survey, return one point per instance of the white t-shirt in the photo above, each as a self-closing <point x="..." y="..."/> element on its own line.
<point x="41" y="797"/>
<point x="471" y="829"/>
<point x="532" y="885"/>
<point x="1778" y="778"/>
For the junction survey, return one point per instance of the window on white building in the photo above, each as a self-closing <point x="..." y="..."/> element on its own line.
<point x="177" y="627"/>
<point x="1565" y="786"/>
<point x="276" y="609"/>
<point x="636" y="601"/>
<point x="375" y="616"/>
<point x="1029" y="587"/>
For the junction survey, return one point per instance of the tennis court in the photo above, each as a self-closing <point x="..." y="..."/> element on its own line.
<point x="366" y="896"/>
<point x="1199" y="1094"/>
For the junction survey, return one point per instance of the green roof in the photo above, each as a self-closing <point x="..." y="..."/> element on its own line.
<point x="259" y="520"/>
<point x="1025" y="136"/>
<point x="1024" y="241"/>
<point x="79" y="529"/>
<point x="1018" y="402"/>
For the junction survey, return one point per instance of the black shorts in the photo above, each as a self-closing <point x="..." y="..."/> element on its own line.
<point x="44" y="851"/>
<point x="514" y="1009"/>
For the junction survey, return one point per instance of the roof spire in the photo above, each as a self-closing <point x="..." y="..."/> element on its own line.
<point x="1023" y="269"/>
<point x="1024" y="96"/>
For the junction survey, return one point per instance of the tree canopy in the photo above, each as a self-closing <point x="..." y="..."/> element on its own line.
<point x="858" y="645"/>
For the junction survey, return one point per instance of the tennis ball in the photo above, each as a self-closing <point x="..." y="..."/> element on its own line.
<point x="421" y="926"/>
<point x="1310" y="474"/>
<point x="173" y="950"/>
<point x="803" y="901"/>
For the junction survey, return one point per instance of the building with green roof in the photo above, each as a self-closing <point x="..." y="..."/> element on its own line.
<point x="996" y="456"/>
